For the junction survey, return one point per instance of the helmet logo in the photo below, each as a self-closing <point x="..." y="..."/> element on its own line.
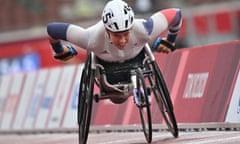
<point x="126" y="9"/>
<point x="107" y="16"/>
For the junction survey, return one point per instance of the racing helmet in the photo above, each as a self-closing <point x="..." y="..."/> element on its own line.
<point x="117" y="16"/>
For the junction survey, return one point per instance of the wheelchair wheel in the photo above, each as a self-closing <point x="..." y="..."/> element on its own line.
<point x="144" y="105"/>
<point x="85" y="100"/>
<point x="164" y="101"/>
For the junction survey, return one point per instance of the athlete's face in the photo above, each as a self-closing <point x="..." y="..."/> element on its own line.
<point x="119" y="39"/>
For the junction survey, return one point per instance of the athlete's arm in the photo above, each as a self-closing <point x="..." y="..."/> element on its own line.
<point x="63" y="31"/>
<point x="68" y="32"/>
<point x="174" y="19"/>
<point x="171" y="20"/>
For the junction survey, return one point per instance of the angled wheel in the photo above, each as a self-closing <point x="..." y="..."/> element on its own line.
<point x="163" y="100"/>
<point x="144" y="106"/>
<point x="85" y="100"/>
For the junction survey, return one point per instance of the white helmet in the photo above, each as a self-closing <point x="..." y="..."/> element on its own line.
<point x="117" y="16"/>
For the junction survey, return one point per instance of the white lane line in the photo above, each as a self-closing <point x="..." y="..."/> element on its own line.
<point x="130" y="140"/>
<point x="220" y="140"/>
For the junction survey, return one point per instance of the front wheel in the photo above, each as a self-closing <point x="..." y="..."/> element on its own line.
<point x="143" y="105"/>
<point x="163" y="100"/>
<point x="85" y="100"/>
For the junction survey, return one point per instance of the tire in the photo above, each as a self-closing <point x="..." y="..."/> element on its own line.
<point x="85" y="100"/>
<point x="164" y="101"/>
<point x="144" y="110"/>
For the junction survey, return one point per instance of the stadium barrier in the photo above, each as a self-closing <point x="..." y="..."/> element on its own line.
<point x="203" y="81"/>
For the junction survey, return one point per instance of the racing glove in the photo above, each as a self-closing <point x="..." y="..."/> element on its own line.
<point x="163" y="45"/>
<point x="63" y="52"/>
<point x="68" y="53"/>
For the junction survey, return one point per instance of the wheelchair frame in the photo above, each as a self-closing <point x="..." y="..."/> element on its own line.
<point x="144" y="81"/>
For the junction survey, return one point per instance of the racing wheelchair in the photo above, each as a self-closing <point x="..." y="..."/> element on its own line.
<point x="145" y="79"/>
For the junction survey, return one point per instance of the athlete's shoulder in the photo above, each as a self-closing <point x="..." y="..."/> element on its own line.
<point x="96" y="36"/>
<point x="97" y="30"/>
<point x="143" y="26"/>
<point x="98" y="25"/>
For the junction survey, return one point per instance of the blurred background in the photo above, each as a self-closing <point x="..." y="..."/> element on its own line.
<point x="23" y="38"/>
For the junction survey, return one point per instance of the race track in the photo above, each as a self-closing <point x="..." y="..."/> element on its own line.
<point x="205" y="133"/>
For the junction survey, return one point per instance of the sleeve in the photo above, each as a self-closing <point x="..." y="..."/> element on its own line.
<point x="68" y="32"/>
<point x="174" y="20"/>
<point x="57" y="30"/>
<point x="167" y="19"/>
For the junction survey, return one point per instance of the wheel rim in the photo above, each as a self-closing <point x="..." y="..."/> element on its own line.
<point x="145" y="113"/>
<point x="164" y="101"/>
<point x="85" y="102"/>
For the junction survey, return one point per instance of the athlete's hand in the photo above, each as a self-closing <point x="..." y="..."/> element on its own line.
<point x="163" y="45"/>
<point x="68" y="53"/>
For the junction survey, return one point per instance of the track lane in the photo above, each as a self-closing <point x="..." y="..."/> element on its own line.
<point x="207" y="133"/>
